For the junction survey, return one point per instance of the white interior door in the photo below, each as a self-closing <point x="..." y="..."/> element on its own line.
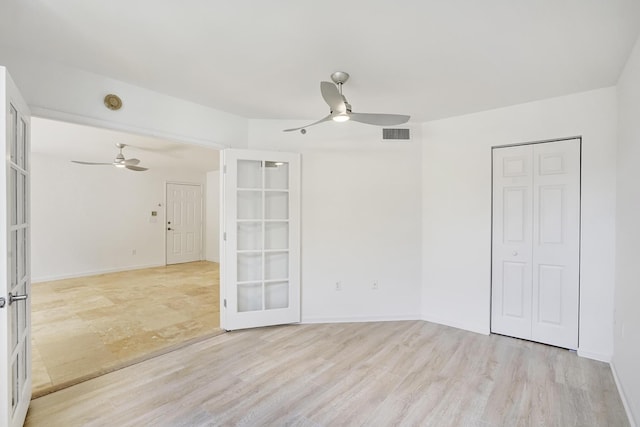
<point x="184" y="223"/>
<point x="536" y="242"/>
<point x="260" y="250"/>
<point x="15" y="284"/>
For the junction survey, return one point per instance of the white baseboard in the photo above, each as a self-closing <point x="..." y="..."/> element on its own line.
<point x="358" y="319"/>
<point x="457" y="325"/>
<point x="595" y="356"/>
<point x="623" y="396"/>
<point x="35" y="280"/>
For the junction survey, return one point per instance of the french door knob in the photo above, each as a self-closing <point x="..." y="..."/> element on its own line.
<point x="515" y="253"/>
<point x="14" y="298"/>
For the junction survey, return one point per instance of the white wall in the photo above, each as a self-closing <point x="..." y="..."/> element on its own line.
<point x="88" y="220"/>
<point x="456" y="212"/>
<point x="360" y="219"/>
<point x="212" y="236"/>
<point x="626" y="360"/>
<point x="69" y="94"/>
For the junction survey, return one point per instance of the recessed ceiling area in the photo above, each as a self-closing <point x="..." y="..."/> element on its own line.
<point x="264" y="60"/>
<point x="69" y="141"/>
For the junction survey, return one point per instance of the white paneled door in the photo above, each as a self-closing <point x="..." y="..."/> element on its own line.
<point x="536" y="242"/>
<point x="15" y="282"/>
<point x="260" y="250"/>
<point x="184" y="223"/>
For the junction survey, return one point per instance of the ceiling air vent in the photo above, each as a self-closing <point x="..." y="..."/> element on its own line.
<point x="396" y="134"/>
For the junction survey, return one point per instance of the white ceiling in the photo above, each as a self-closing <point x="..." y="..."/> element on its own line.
<point x="264" y="59"/>
<point x="68" y="141"/>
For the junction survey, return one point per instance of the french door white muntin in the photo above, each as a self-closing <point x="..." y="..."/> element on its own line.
<point x="260" y="249"/>
<point x="184" y="222"/>
<point x="15" y="252"/>
<point x="536" y="242"/>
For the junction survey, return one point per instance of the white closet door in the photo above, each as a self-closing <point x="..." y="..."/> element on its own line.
<point x="556" y="254"/>
<point x="512" y="244"/>
<point x="536" y="242"/>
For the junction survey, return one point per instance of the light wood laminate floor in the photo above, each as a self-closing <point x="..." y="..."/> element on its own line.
<point x="84" y="327"/>
<point x="409" y="373"/>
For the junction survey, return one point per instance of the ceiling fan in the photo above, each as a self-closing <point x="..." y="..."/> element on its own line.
<point x="119" y="162"/>
<point x="340" y="109"/>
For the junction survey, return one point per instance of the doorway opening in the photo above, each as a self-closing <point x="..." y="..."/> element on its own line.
<point x="103" y="294"/>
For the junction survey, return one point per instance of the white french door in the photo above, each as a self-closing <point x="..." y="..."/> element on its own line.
<point x="15" y="283"/>
<point x="184" y="223"/>
<point x="536" y="242"/>
<point x="260" y="249"/>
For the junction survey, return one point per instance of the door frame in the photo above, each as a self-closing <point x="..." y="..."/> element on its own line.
<point x="203" y="212"/>
<point x="544" y="141"/>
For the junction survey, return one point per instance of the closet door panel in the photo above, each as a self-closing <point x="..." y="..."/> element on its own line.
<point x="556" y="251"/>
<point x="512" y="242"/>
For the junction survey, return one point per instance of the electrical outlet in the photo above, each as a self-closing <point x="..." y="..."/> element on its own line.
<point x="375" y="286"/>
<point x="338" y="286"/>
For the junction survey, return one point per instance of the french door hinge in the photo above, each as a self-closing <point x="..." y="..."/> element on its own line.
<point x="224" y="169"/>
<point x="224" y="236"/>
<point x="225" y="303"/>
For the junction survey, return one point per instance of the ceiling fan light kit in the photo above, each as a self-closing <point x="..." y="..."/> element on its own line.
<point x="340" y="109"/>
<point x="120" y="161"/>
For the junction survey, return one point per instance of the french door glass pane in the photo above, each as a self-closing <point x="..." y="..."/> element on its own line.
<point x="22" y="144"/>
<point x="15" y="389"/>
<point x="276" y="295"/>
<point x="276" y="175"/>
<point x="21" y="198"/>
<point x="23" y="259"/>
<point x="15" y="316"/>
<point x="23" y="356"/>
<point x="249" y="267"/>
<point x="22" y="310"/>
<point x="276" y="235"/>
<point x="249" y="236"/>
<point x="249" y="204"/>
<point x="13" y="258"/>
<point x="250" y="297"/>
<point x="276" y="205"/>
<point x="276" y="265"/>
<point x="21" y="254"/>
<point x="13" y="134"/>
<point x="13" y="196"/>
<point x="249" y="174"/>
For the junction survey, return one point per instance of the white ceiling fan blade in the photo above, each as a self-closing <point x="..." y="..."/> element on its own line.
<point x="89" y="163"/>
<point x="306" y="126"/>
<point x="131" y="161"/>
<point x="379" y="119"/>
<point x="332" y="97"/>
<point x="136" y="168"/>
